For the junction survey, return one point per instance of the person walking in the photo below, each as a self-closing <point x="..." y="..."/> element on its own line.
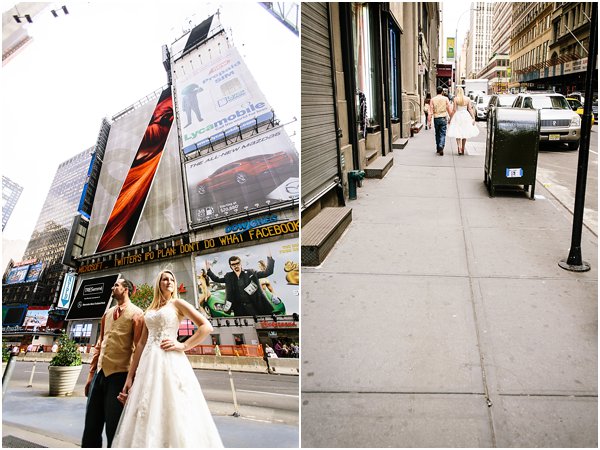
<point x="440" y="107"/>
<point x="120" y="330"/>
<point x="462" y="121"/>
<point x="164" y="404"/>
<point x="427" y="109"/>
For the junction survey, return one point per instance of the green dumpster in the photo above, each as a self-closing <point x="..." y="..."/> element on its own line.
<point x="511" y="152"/>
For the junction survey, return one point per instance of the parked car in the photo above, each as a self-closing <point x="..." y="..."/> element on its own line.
<point x="481" y="102"/>
<point x="558" y="122"/>
<point x="242" y="171"/>
<point x="577" y="106"/>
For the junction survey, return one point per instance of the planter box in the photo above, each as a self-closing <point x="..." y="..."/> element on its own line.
<point x="62" y="380"/>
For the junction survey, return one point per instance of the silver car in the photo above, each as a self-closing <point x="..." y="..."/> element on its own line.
<point x="558" y="122"/>
<point x="481" y="102"/>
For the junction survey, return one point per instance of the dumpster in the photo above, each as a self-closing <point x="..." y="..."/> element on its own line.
<point x="513" y="137"/>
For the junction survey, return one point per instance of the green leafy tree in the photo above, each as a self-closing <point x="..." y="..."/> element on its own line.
<point x="68" y="354"/>
<point x="143" y="296"/>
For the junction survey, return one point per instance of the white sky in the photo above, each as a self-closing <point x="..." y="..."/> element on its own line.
<point x="103" y="57"/>
<point x="456" y="17"/>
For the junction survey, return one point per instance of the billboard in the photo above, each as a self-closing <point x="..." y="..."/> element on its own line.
<point x="162" y="213"/>
<point x="450" y="48"/>
<point x="36" y="318"/>
<point x="257" y="172"/>
<point x="34" y="273"/>
<point x="92" y="298"/>
<point x="218" y="98"/>
<point x="127" y="210"/>
<point x="280" y="289"/>
<point x="17" y="274"/>
<point x="13" y="315"/>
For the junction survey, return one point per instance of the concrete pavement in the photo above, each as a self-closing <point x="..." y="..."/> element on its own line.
<point x="442" y="319"/>
<point x="30" y="416"/>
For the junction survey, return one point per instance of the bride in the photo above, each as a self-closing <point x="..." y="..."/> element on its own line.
<point x="165" y="406"/>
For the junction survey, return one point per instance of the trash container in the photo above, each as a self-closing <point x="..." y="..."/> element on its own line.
<point x="354" y="178"/>
<point x="511" y="151"/>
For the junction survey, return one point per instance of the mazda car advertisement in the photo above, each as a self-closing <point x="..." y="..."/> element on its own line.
<point x="254" y="173"/>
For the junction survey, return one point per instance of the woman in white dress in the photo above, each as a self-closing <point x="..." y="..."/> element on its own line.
<point x="462" y="121"/>
<point x="164" y="405"/>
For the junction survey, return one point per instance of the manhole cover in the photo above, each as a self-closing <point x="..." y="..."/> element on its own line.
<point x="15" y="442"/>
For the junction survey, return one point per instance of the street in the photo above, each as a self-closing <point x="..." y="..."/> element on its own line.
<point x="267" y="404"/>
<point x="557" y="171"/>
<point x="275" y="395"/>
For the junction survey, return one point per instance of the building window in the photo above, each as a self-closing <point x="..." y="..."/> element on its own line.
<point x="238" y="339"/>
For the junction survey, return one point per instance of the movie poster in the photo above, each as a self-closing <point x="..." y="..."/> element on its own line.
<point x="278" y="291"/>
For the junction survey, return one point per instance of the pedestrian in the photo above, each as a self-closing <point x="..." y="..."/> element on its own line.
<point x="427" y="109"/>
<point x="40" y="348"/>
<point x="440" y="107"/>
<point x="462" y="121"/>
<point x="164" y="404"/>
<point x="55" y="347"/>
<point x="120" y="331"/>
<point x="30" y="348"/>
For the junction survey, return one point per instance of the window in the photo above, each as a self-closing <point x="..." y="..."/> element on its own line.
<point x="239" y="339"/>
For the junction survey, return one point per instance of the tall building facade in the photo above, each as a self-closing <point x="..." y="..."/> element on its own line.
<point x="497" y="67"/>
<point x="366" y="69"/>
<point x="480" y="37"/>
<point x="47" y="244"/>
<point x="549" y="44"/>
<point x="11" y="192"/>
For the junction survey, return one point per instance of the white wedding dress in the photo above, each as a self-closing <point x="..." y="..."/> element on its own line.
<point x="166" y="407"/>
<point x="461" y="125"/>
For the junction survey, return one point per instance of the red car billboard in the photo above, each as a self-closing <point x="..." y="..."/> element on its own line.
<point x="257" y="172"/>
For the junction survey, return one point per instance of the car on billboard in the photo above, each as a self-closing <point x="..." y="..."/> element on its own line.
<point x="246" y="170"/>
<point x="218" y="306"/>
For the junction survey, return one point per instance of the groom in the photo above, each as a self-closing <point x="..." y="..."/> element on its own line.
<point x="120" y="332"/>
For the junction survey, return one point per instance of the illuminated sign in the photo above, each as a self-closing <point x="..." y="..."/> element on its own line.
<point x="243" y="226"/>
<point x="264" y="325"/>
<point x="171" y="251"/>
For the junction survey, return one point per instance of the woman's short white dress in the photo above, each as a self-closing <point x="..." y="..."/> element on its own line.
<point x="461" y="126"/>
<point x="166" y="407"/>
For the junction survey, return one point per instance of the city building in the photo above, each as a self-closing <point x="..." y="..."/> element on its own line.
<point x="480" y="37"/>
<point x="530" y="38"/>
<point x="11" y="192"/>
<point x="497" y="67"/>
<point x="366" y="69"/>
<point x="31" y="287"/>
<point x="549" y="45"/>
<point x="198" y="171"/>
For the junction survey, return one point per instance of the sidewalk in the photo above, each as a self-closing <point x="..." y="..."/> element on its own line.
<point x="30" y="416"/>
<point x="442" y="319"/>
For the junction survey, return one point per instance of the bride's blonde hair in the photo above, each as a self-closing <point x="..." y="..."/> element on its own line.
<point x="460" y="98"/>
<point x="156" y="301"/>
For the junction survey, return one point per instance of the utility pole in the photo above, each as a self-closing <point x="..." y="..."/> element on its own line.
<point x="574" y="262"/>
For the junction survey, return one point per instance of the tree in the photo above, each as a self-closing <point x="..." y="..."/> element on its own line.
<point x="143" y="295"/>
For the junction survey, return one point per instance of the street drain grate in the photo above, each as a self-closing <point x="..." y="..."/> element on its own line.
<point x="15" y="442"/>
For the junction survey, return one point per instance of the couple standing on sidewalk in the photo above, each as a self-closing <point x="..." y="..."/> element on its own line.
<point x="461" y="120"/>
<point x="149" y="398"/>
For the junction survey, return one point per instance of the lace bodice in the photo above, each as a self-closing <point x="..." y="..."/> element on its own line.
<point x="162" y="324"/>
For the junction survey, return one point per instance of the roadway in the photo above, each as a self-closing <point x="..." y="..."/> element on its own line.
<point x="271" y="398"/>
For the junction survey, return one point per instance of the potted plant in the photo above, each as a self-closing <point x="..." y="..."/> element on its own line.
<point x="65" y="367"/>
<point x="5" y="358"/>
